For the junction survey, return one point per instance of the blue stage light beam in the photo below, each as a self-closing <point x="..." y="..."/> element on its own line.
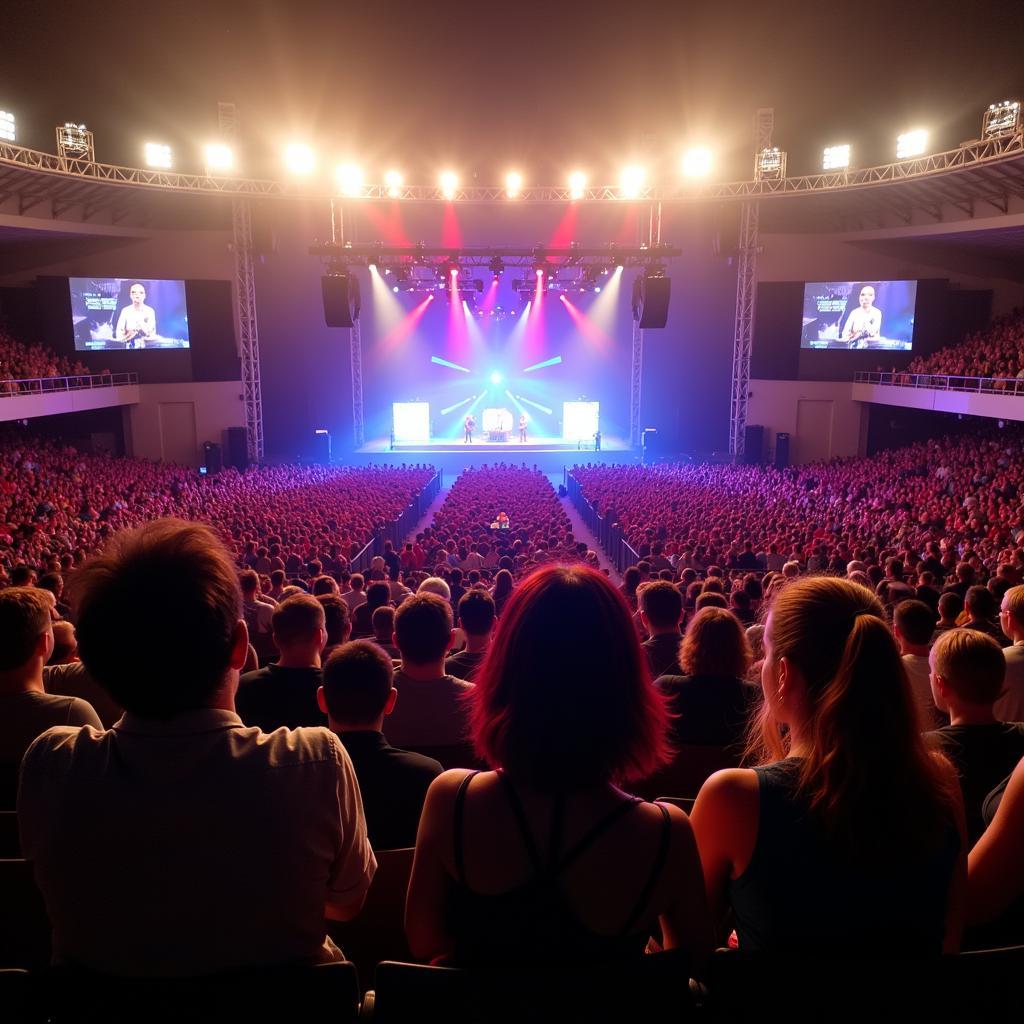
<point x="536" y="405"/>
<point x="457" y="405"/>
<point x="495" y="377"/>
<point x="451" y="366"/>
<point x="540" y="366"/>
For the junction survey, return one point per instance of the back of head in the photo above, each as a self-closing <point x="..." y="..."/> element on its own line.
<point x="711" y="599"/>
<point x="951" y="604"/>
<point x="1013" y="602"/>
<point x="662" y="603"/>
<point x="476" y="612"/>
<point x="65" y="643"/>
<point x="249" y="581"/>
<point x="980" y="603"/>
<point x="915" y="621"/>
<point x="337" y="618"/>
<point x="378" y="595"/>
<point x="24" y="618"/>
<point x="435" y="585"/>
<point x="423" y="628"/>
<point x="864" y="768"/>
<point x="357" y="680"/>
<point x="297" y="621"/>
<point x="970" y="663"/>
<point x="564" y="697"/>
<point x="157" y="613"/>
<point x="383" y="622"/>
<point x="715" y="645"/>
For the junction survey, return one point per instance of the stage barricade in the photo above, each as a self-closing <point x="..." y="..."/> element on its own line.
<point x="608" y="533"/>
<point x="400" y="528"/>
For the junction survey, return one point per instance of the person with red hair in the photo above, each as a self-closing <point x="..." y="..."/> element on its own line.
<point x="544" y="859"/>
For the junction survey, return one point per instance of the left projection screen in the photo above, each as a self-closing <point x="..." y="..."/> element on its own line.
<point x="117" y="313"/>
<point x="410" y="421"/>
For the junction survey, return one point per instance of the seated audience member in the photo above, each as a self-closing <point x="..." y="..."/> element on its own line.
<point x="661" y="610"/>
<point x="356" y="696"/>
<point x="435" y="585"/>
<point x="512" y="865"/>
<point x="995" y="880"/>
<point x="983" y="613"/>
<point x="711" y="700"/>
<point x="357" y="595"/>
<point x="384" y="631"/>
<point x="849" y="836"/>
<point x="258" y="613"/>
<point x="180" y="807"/>
<point x="65" y="644"/>
<point x="431" y="710"/>
<point x="337" y="622"/>
<point x="712" y="599"/>
<point x="502" y="590"/>
<point x="951" y="605"/>
<point x="967" y="676"/>
<point x="476" y="618"/>
<point x="913" y="625"/>
<point x="1010" y="706"/>
<point x="284" y="693"/>
<point x="72" y="679"/>
<point x="378" y="595"/>
<point x="26" y="709"/>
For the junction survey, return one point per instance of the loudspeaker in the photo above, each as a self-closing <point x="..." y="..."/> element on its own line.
<point x="322" y="447"/>
<point x="781" y="450"/>
<point x="341" y="300"/>
<point x="725" y="237"/>
<point x="753" y="444"/>
<point x="650" y="301"/>
<point x="236" y="447"/>
<point x="213" y="457"/>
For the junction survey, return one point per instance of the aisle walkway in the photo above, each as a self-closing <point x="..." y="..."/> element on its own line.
<point x="583" y="532"/>
<point x="428" y="517"/>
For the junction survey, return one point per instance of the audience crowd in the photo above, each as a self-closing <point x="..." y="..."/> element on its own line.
<point x="997" y="351"/>
<point x="21" y="361"/>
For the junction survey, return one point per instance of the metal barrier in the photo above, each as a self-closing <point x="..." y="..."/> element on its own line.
<point x="398" y="529"/>
<point x="60" y="385"/>
<point x="608" y="533"/>
<point x="942" y="382"/>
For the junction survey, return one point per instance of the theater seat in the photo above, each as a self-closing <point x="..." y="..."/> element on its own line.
<point x="24" y="926"/>
<point x="378" y="932"/>
<point x="650" y="988"/>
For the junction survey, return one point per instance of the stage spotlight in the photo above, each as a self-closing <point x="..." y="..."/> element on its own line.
<point x="349" y="178"/>
<point x="497" y="266"/>
<point x="513" y="184"/>
<point x="770" y="164"/>
<point x="1000" y="119"/>
<point x="157" y="155"/>
<point x="6" y="126"/>
<point x="395" y="289"/>
<point x="912" y="143"/>
<point x="697" y="162"/>
<point x="577" y="184"/>
<point x="449" y="182"/>
<point x="631" y="181"/>
<point x="219" y="158"/>
<point x="393" y="182"/>
<point x="836" y="158"/>
<point x="495" y="377"/>
<point x="299" y="158"/>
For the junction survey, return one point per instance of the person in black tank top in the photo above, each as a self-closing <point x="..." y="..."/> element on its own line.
<point x="563" y="708"/>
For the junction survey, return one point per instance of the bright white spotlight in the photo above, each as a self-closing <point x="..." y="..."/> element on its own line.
<point x="835" y="158"/>
<point x="157" y="155"/>
<point x="393" y="182"/>
<point x="219" y="158"/>
<point x="631" y="181"/>
<point x="1001" y="119"/>
<point x="577" y="184"/>
<point x="6" y="126"/>
<point x="495" y="377"/>
<point x="697" y="162"/>
<point x="513" y="184"/>
<point x="299" y="158"/>
<point x="349" y="178"/>
<point x="912" y="143"/>
<point x="449" y="182"/>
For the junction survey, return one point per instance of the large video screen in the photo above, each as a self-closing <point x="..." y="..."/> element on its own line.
<point x="127" y="313"/>
<point x="875" y="315"/>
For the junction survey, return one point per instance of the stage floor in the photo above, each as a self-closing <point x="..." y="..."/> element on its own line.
<point x="510" y="448"/>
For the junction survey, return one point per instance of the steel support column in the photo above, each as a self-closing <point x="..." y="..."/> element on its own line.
<point x="356" y="349"/>
<point x="746" y="284"/>
<point x="248" y="332"/>
<point x="635" y="377"/>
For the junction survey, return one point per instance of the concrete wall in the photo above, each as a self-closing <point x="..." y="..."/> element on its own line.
<point x="967" y="403"/>
<point x="822" y="418"/>
<point x="27" y="407"/>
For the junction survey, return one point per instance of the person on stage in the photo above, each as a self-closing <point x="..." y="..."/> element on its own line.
<point x="469" y="423"/>
<point x="522" y="428"/>
<point x="864" y="324"/>
<point x="137" y="322"/>
<point x="597" y="441"/>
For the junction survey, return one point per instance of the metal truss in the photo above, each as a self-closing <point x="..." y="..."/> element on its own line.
<point x="636" y="368"/>
<point x="482" y="255"/>
<point x="356" y="352"/>
<point x="743" y="335"/>
<point x="248" y="331"/>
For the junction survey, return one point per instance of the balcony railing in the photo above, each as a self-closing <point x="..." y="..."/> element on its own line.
<point x="59" y="385"/>
<point x="943" y="382"/>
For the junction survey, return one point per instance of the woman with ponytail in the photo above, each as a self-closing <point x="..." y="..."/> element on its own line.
<point x="849" y="834"/>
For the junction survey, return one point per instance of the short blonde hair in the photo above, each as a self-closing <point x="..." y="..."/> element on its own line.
<point x="1014" y="600"/>
<point x="971" y="664"/>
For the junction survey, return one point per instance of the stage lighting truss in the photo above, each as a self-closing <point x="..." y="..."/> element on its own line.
<point x="770" y="164"/>
<point x="1001" y="119"/>
<point x="74" y="142"/>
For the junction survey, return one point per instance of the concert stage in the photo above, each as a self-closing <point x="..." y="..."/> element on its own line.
<point x="512" y="447"/>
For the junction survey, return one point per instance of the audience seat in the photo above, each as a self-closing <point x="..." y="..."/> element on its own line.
<point x="690" y="769"/>
<point x="651" y="988"/>
<point x="24" y="926"/>
<point x="378" y="933"/>
<point x="10" y="842"/>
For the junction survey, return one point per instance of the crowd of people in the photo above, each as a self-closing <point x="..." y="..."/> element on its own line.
<point x="22" y="361"/>
<point x="996" y="352"/>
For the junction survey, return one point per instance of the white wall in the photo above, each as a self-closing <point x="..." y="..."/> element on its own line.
<point x="153" y="426"/>
<point x="26" y="407"/>
<point x="822" y="418"/>
<point x="995" y="406"/>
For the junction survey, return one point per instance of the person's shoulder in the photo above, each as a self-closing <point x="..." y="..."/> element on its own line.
<point x="458" y="684"/>
<point x="57" y="746"/>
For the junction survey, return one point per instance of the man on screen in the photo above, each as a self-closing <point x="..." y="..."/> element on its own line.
<point x="137" y="322"/>
<point x="864" y="323"/>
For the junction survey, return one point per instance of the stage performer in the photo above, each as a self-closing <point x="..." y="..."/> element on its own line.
<point x="522" y="428"/>
<point x="865" y="322"/>
<point x="469" y="423"/>
<point x="136" y="322"/>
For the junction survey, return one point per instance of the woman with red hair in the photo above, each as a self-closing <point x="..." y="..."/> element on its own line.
<point x="545" y="859"/>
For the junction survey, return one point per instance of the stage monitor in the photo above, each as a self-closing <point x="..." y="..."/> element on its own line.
<point x="875" y="315"/>
<point x="580" y="420"/>
<point x="410" y="421"/>
<point x="121" y="313"/>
